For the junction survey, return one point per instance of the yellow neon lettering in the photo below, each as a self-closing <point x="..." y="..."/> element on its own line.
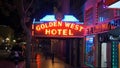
<point x="46" y="26"/>
<point x="70" y="32"/>
<point x="72" y="26"/>
<point x="59" y="23"/>
<point x="42" y="26"/>
<point x="59" y="31"/>
<point x="60" y="28"/>
<point x="67" y="24"/>
<point x="47" y="31"/>
<point x="64" y="31"/>
<point x="55" y="24"/>
<point x="53" y="32"/>
<point x="80" y="28"/>
<point x="37" y="28"/>
<point x="50" y="24"/>
<point x="76" y="27"/>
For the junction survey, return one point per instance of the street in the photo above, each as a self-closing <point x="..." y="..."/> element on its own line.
<point x="39" y="62"/>
<point x="10" y="64"/>
<point x="5" y="62"/>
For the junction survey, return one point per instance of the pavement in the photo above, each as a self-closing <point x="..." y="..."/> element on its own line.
<point x="10" y="64"/>
<point x="42" y="62"/>
<point x="39" y="62"/>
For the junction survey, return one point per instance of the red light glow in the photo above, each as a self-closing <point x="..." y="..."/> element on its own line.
<point x="32" y="26"/>
<point x="64" y="32"/>
<point x="58" y="29"/>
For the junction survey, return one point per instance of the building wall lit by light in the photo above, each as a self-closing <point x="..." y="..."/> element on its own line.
<point x="98" y="13"/>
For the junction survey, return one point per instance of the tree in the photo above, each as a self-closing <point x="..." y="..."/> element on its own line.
<point x="9" y="16"/>
<point x="24" y="13"/>
<point x="26" y="9"/>
<point x="5" y="32"/>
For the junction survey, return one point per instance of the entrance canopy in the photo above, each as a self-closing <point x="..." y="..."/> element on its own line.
<point x="115" y="32"/>
<point x="66" y="18"/>
<point x="48" y="26"/>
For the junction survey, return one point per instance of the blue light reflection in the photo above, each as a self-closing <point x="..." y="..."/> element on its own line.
<point x="66" y="18"/>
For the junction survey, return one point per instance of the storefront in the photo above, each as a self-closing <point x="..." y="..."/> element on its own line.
<point x="104" y="50"/>
<point x="90" y="51"/>
<point x="115" y="48"/>
<point x="99" y="47"/>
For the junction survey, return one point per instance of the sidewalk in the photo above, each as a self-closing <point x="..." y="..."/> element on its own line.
<point x="41" y="62"/>
<point x="10" y="64"/>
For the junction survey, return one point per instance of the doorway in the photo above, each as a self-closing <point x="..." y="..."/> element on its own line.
<point x="104" y="55"/>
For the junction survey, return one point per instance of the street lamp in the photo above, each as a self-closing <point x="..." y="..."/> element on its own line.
<point x="14" y="41"/>
<point x="7" y="39"/>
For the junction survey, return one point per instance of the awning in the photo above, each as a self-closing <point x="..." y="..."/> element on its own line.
<point x="115" y="32"/>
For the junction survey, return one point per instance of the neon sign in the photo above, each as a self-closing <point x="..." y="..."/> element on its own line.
<point x="58" y="32"/>
<point x="109" y="2"/>
<point x="58" y="29"/>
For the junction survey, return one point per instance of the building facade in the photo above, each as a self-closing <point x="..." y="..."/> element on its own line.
<point x="101" y="46"/>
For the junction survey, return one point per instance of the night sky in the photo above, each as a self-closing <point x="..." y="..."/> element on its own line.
<point x="10" y="17"/>
<point x="9" y="14"/>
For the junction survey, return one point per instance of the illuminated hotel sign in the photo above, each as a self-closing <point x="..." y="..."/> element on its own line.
<point x="100" y="28"/>
<point x="48" y="26"/>
<point x="58" y="29"/>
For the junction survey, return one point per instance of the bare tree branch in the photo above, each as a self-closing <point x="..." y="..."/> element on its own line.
<point x="23" y="10"/>
<point x="28" y="6"/>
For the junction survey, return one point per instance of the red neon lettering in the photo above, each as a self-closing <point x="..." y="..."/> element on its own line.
<point x="32" y="33"/>
<point x="32" y="26"/>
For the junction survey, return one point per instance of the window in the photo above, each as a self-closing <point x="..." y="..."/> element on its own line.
<point x="118" y="12"/>
<point x="104" y="13"/>
<point x="89" y="16"/>
<point x="90" y="51"/>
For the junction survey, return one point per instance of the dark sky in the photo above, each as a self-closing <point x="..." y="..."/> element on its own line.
<point x="10" y="17"/>
<point x="9" y="14"/>
<point x="12" y="20"/>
